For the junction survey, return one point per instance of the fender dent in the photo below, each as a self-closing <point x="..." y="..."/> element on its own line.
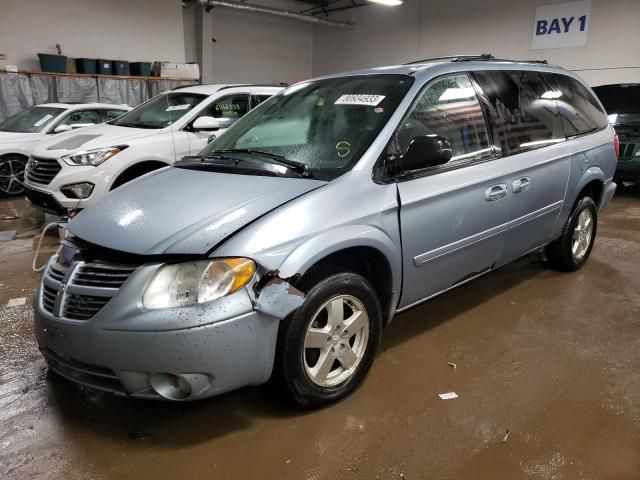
<point x="275" y="296"/>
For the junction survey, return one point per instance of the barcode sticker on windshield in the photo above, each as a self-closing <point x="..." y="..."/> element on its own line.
<point x="173" y="108"/>
<point x="370" y="100"/>
<point x="43" y="120"/>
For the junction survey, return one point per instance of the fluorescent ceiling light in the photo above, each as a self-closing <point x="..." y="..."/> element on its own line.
<point x="388" y="3"/>
<point x="551" y="95"/>
<point x="457" y="94"/>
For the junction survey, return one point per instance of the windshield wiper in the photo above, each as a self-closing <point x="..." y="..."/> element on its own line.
<point x="301" y="168"/>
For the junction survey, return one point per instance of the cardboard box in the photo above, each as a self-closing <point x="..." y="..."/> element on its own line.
<point x="190" y="71"/>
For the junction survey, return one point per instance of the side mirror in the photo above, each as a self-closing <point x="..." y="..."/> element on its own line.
<point x="424" y="151"/>
<point x="62" y="128"/>
<point x="206" y="124"/>
<point x="81" y="125"/>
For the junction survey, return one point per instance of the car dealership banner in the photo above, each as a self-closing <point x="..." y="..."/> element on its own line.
<point x="561" y="25"/>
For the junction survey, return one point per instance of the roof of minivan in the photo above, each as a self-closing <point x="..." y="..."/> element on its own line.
<point x="430" y="68"/>
<point x="211" y="89"/>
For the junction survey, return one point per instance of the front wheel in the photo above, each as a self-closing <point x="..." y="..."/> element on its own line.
<point x="328" y="345"/>
<point x="12" y="175"/>
<point x="571" y="251"/>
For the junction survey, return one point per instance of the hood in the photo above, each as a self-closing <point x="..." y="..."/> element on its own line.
<point x="180" y="211"/>
<point x="17" y="137"/>
<point x="97" y="136"/>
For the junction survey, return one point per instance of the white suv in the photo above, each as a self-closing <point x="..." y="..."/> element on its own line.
<point x="74" y="170"/>
<point x="19" y="132"/>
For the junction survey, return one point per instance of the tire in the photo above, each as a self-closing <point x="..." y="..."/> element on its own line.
<point x="569" y="253"/>
<point x="316" y="376"/>
<point x="136" y="171"/>
<point x="12" y="175"/>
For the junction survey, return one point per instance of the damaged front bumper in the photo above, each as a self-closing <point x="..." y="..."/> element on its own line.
<point x="184" y="353"/>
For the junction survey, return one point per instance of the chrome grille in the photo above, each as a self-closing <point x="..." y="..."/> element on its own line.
<point x="42" y="170"/>
<point x="82" y="290"/>
<point x="101" y="275"/>
<point x="48" y="298"/>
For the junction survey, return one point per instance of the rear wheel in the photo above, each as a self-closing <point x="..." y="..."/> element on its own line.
<point x="571" y="251"/>
<point x="328" y="345"/>
<point x="12" y="175"/>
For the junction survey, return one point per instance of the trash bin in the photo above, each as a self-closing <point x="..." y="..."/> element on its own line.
<point x="140" y="69"/>
<point x="86" y="65"/>
<point x="53" y="63"/>
<point x="121" y="67"/>
<point x="105" y="67"/>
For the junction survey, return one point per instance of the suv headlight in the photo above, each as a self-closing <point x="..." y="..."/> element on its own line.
<point x="92" y="157"/>
<point x="187" y="283"/>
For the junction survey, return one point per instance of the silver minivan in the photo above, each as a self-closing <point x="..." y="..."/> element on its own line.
<point x="287" y="245"/>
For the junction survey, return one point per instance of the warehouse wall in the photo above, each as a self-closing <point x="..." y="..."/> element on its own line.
<point x="251" y="47"/>
<point x="422" y="29"/>
<point x="136" y="30"/>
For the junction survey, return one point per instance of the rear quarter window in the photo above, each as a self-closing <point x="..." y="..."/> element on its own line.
<point x="578" y="108"/>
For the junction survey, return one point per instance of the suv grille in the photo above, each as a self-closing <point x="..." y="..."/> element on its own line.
<point x="42" y="170"/>
<point x="80" y="291"/>
<point x="627" y="149"/>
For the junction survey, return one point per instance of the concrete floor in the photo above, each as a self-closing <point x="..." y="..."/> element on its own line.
<point x="552" y="358"/>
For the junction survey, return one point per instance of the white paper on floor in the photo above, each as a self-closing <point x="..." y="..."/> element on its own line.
<point x="16" y="302"/>
<point x="448" y="396"/>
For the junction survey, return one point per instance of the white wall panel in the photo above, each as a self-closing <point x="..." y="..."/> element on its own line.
<point x="134" y="30"/>
<point x="428" y="28"/>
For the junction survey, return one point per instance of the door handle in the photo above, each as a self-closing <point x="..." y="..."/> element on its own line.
<point x="495" y="192"/>
<point x="521" y="184"/>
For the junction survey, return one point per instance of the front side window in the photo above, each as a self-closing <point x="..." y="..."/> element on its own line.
<point x="579" y="110"/>
<point x="82" y="117"/>
<point x="524" y="108"/>
<point x="325" y="125"/>
<point x="161" y="111"/>
<point x="32" y="120"/>
<point x="448" y="107"/>
<point x="232" y="106"/>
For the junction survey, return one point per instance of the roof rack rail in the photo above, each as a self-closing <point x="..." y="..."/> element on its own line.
<point x="234" y="85"/>
<point x="491" y="58"/>
<point x="483" y="57"/>
<point x="454" y="58"/>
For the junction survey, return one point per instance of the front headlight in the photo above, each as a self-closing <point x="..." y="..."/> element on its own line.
<point x="92" y="157"/>
<point x="180" y="284"/>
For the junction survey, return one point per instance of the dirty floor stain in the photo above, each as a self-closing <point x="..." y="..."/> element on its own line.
<point x="552" y="358"/>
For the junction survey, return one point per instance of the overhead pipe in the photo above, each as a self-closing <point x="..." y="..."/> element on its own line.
<point x="249" y="7"/>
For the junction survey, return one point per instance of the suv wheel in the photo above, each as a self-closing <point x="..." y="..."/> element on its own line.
<point x="571" y="251"/>
<point x="12" y="175"/>
<point x="328" y="345"/>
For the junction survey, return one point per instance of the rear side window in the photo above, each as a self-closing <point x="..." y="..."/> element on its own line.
<point x="258" y="99"/>
<point x="108" y="115"/>
<point x="524" y="109"/>
<point x="579" y="110"/>
<point x="447" y="107"/>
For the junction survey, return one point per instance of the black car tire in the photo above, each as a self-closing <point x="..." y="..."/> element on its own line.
<point x="560" y="253"/>
<point x="292" y="362"/>
<point x="8" y="165"/>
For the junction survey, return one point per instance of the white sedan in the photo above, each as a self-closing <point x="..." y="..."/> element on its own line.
<point x="19" y="132"/>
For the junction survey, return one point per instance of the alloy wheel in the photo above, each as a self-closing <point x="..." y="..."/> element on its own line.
<point x="11" y="176"/>
<point x="582" y="235"/>
<point x="336" y="341"/>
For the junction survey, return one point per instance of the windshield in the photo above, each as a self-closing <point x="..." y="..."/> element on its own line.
<point x="160" y="111"/>
<point x="323" y="126"/>
<point x="622" y="103"/>
<point x="33" y="120"/>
